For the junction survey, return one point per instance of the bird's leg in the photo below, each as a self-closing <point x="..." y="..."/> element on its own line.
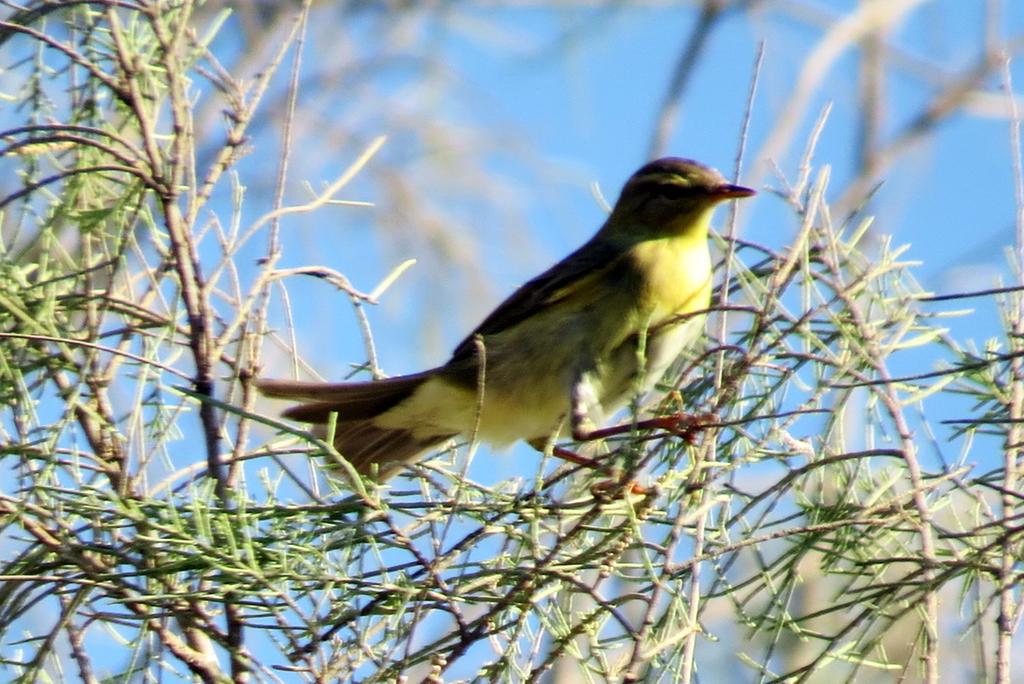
<point x="685" y="425"/>
<point x="581" y="393"/>
<point x="582" y="398"/>
<point x="583" y="430"/>
<point x="580" y="422"/>
<point x="572" y="457"/>
<point x="688" y="426"/>
<point x="604" y="488"/>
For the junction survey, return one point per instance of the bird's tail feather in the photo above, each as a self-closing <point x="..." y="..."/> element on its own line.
<point x="356" y="436"/>
<point x="371" y="448"/>
<point x="351" y="400"/>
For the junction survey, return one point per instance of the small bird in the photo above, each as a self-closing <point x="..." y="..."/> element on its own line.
<point x="566" y="349"/>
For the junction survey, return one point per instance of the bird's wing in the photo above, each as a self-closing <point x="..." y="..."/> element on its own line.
<point x="576" y="274"/>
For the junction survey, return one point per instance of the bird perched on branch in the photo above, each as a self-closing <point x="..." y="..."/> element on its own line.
<point x="565" y="350"/>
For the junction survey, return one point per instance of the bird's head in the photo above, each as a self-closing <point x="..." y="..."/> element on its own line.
<point x="669" y="197"/>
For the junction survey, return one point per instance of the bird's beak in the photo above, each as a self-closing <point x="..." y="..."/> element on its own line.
<point x="727" y="191"/>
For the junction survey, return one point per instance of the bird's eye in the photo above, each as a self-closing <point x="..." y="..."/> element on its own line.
<point x="666" y="193"/>
<point x="673" y="191"/>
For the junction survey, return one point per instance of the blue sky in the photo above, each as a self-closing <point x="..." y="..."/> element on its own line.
<point x="558" y="115"/>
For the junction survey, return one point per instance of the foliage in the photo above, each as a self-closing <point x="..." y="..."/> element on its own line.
<point x="155" y="527"/>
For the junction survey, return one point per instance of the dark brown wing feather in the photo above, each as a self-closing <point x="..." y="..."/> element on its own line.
<point x="552" y="286"/>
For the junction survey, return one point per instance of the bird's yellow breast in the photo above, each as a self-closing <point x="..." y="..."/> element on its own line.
<point x="676" y="273"/>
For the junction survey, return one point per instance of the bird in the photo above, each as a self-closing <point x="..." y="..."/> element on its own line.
<point x="561" y="353"/>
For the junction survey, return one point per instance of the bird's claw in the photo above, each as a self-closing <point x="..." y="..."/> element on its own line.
<point x="685" y="425"/>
